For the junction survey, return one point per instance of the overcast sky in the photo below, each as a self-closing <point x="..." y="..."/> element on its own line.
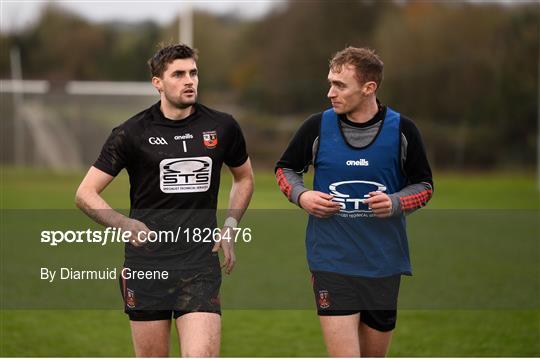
<point x="16" y="14"/>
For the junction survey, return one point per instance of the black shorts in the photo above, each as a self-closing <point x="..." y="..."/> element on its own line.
<point x="184" y="291"/>
<point x="374" y="298"/>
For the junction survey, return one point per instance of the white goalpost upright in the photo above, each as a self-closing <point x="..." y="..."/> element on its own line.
<point x="18" y="129"/>
<point x="185" y="34"/>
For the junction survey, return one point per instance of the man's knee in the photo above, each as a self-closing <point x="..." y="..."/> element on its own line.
<point x="200" y="353"/>
<point x="154" y="351"/>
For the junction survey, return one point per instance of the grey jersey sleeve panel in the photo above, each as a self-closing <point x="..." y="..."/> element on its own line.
<point x="410" y="190"/>
<point x="296" y="181"/>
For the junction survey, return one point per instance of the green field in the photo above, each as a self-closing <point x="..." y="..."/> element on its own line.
<point x="508" y="330"/>
<point x="44" y="189"/>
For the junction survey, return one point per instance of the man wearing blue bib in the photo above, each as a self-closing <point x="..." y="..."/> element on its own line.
<point x="371" y="170"/>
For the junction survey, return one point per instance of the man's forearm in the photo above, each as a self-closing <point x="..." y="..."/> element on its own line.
<point x="240" y="197"/>
<point x="291" y="184"/>
<point x="410" y="198"/>
<point x="95" y="207"/>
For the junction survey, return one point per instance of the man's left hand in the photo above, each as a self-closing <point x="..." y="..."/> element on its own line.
<point x="226" y="243"/>
<point x="380" y="204"/>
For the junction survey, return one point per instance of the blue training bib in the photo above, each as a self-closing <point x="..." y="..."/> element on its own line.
<point x="354" y="242"/>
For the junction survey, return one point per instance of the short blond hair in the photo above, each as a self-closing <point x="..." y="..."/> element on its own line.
<point x="367" y="63"/>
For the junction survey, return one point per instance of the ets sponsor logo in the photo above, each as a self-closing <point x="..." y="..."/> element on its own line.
<point x="351" y="195"/>
<point x="185" y="175"/>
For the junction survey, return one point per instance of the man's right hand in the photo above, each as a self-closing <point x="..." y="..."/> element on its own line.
<point x="318" y="204"/>
<point x="135" y="227"/>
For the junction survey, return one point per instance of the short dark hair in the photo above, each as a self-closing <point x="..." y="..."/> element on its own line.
<point x="367" y="63"/>
<point x="167" y="54"/>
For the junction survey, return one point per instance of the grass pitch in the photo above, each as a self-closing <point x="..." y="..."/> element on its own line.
<point x="252" y="332"/>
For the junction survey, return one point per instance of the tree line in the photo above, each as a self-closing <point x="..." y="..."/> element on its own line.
<point x="466" y="73"/>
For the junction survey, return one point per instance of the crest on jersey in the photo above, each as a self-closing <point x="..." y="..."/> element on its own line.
<point x="210" y="139"/>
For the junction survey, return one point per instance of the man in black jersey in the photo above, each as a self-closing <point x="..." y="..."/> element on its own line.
<point x="173" y="153"/>
<point x="370" y="169"/>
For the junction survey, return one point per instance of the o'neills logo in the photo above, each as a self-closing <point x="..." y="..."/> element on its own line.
<point x="360" y="162"/>
<point x="183" y="175"/>
<point x="187" y="136"/>
<point x="354" y="204"/>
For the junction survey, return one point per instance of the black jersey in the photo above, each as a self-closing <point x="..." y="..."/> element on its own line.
<point x="174" y="173"/>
